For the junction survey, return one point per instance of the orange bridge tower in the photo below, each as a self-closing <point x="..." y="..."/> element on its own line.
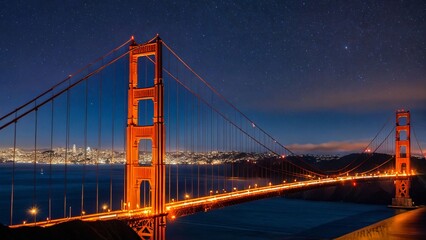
<point x="153" y="228"/>
<point x="402" y="160"/>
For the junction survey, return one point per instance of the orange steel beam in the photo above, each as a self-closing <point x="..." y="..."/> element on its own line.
<point x="155" y="173"/>
<point x="402" y="160"/>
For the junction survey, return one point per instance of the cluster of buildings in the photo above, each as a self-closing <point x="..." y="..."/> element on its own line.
<point x="61" y="155"/>
<point x="94" y="156"/>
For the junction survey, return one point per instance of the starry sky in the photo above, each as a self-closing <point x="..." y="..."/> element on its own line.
<point x="319" y="75"/>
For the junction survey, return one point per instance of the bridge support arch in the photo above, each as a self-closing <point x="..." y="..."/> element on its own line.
<point x="402" y="160"/>
<point x="155" y="173"/>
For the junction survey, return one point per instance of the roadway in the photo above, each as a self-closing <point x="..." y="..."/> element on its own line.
<point x="192" y="205"/>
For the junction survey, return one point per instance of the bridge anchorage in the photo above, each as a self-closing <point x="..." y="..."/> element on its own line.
<point x="154" y="227"/>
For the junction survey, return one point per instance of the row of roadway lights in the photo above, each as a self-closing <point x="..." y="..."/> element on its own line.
<point x="187" y="196"/>
<point x="212" y="192"/>
<point x="284" y="181"/>
<point x="34" y="211"/>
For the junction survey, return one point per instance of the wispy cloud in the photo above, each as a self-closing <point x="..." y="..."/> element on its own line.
<point x="335" y="147"/>
<point x="330" y="147"/>
<point x="367" y="98"/>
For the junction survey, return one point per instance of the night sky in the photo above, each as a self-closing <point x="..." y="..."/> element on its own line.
<point x="321" y="75"/>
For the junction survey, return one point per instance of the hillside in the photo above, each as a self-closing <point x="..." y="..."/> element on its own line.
<point x="112" y="230"/>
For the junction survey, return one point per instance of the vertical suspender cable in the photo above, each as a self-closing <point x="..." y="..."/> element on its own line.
<point x="168" y="135"/>
<point x="12" y="190"/>
<point x="225" y="164"/>
<point x="125" y="124"/>
<point x="184" y="146"/>
<point x="67" y="142"/>
<point x="168" y="166"/>
<point x="99" y="140"/>
<point x="226" y="151"/>
<point x="198" y="141"/>
<point x="232" y="160"/>
<point x="112" y="136"/>
<point x="50" y="161"/>
<point x="211" y="148"/>
<point x="204" y="146"/>
<point x="35" y="157"/>
<point x="113" y="118"/>
<point x="85" y="146"/>
<point x="177" y="136"/>
<point x="184" y="149"/>
<point x="192" y="144"/>
<point x="217" y="151"/>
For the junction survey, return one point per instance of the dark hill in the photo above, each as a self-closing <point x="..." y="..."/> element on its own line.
<point x="111" y="230"/>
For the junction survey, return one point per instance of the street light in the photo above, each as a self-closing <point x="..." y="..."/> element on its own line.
<point x="104" y="207"/>
<point x="33" y="211"/>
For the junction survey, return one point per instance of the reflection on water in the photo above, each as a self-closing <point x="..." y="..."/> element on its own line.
<point x="275" y="218"/>
<point x="64" y="191"/>
<point x="278" y="218"/>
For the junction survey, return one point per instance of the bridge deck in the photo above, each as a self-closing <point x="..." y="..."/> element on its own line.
<point x="188" y="206"/>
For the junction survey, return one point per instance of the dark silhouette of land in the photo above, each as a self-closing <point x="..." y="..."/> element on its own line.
<point x="112" y="229"/>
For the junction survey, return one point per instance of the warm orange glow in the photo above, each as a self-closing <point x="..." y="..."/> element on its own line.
<point x="154" y="133"/>
<point x="402" y="159"/>
<point x="178" y="208"/>
<point x="33" y="211"/>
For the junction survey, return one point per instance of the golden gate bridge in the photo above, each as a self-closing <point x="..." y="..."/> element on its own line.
<point x="184" y="146"/>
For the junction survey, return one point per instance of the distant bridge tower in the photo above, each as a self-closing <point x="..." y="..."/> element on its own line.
<point x="155" y="173"/>
<point x="402" y="160"/>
